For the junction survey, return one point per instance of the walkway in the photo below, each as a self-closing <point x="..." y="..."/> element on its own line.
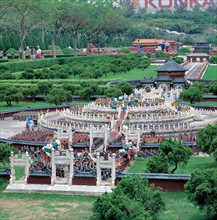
<point x="193" y="70"/>
<point x="58" y="188"/>
<point x="10" y="127"/>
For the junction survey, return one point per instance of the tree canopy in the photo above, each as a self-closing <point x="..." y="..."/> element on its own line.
<point x="171" y="154"/>
<point x="58" y="96"/>
<point x="207" y="139"/>
<point x="202" y="189"/>
<point x="192" y="94"/>
<point x="131" y="199"/>
<point x="10" y="94"/>
<point x="5" y="152"/>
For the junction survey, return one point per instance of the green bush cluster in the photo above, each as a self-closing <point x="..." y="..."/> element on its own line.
<point x="213" y="59"/>
<point x="28" y="64"/>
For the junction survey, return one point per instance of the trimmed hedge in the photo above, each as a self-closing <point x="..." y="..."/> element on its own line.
<point x="29" y="64"/>
<point x="23" y="65"/>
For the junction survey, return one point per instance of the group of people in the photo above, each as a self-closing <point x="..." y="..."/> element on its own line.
<point x="32" y="52"/>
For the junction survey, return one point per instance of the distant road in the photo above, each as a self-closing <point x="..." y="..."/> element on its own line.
<point x="193" y="70"/>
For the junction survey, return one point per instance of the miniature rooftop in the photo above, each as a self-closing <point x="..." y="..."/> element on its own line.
<point x="170" y="66"/>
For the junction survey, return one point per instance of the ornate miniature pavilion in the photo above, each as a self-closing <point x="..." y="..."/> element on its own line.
<point x="200" y="53"/>
<point x="170" y="75"/>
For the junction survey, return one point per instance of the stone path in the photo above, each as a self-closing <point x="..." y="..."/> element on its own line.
<point x="10" y="127"/>
<point x="58" y="188"/>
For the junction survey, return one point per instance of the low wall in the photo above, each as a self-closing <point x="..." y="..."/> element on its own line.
<point x="89" y="181"/>
<point x="167" y="182"/>
<point x="169" y="185"/>
<point x="39" y="180"/>
<point x="165" y="185"/>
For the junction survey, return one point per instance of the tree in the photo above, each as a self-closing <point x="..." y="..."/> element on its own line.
<point x="206" y="139"/>
<point x="192" y="94"/>
<point x="213" y="87"/>
<point x="125" y="87"/>
<point x="74" y="20"/>
<point x="127" y="202"/>
<point x="10" y="94"/>
<point x="171" y="154"/>
<point x="21" y="17"/>
<point x="58" y="96"/>
<point x="44" y="87"/>
<point x="32" y="91"/>
<point x="184" y="50"/>
<point x="5" y="153"/>
<point x="213" y="59"/>
<point x="100" y="18"/>
<point x="54" y="12"/>
<point x="113" y="92"/>
<point x="202" y="189"/>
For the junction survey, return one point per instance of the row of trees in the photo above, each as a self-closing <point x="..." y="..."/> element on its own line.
<point x="29" y="22"/>
<point x="89" y="69"/>
<point x="61" y="94"/>
<point x="92" y="20"/>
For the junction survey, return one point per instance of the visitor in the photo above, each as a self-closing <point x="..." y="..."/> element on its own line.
<point x="20" y="54"/>
<point x="4" y="54"/>
<point x="177" y="47"/>
<point x="138" y="46"/>
<point x="91" y="46"/>
<point x="32" y="52"/>
<point x="38" y="52"/>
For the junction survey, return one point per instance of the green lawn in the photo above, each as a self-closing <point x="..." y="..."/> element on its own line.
<point x="178" y="207"/>
<point x="139" y="166"/>
<point x="53" y="206"/>
<point x="211" y="73"/>
<point x="210" y="103"/>
<point x="131" y="75"/>
<point x="44" y="206"/>
<point x="20" y="105"/>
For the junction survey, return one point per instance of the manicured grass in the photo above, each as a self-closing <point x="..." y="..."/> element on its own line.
<point x="134" y="74"/>
<point x="178" y="207"/>
<point x="44" y="206"/>
<point x="130" y="75"/>
<point x="139" y="166"/>
<point x="53" y="206"/>
<point x="210" y="103"/>
<point x="211" y="73"/>
<point x="20" y="105"/>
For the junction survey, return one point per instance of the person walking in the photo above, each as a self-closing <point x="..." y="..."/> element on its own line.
<point x="38" y="52"/>
<point x="138" y="46"/>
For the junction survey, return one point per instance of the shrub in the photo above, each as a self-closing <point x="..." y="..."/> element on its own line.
<point x="124" y="50"/>
<point x="213" y="59"/>
<point x="12" y="50"/>
<point x="184" y="50"/>
<point x="178" y="59"/>
<point x="67" y="51"/>
<point x="57" y="47"/>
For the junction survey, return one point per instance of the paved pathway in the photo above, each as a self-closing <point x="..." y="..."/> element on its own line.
<point x="193" y="70"/>
<point x="58" y="188"/>
<point x="10" y="127"/>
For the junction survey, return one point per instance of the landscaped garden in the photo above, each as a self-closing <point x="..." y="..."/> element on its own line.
<point x="55" y="206"/>
<point x="30" y="104"/>
<point x="195" y="162"/>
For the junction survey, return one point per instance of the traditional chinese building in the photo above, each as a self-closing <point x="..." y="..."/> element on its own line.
<point x="150" y="45"/>
<point x="170" y="75"/>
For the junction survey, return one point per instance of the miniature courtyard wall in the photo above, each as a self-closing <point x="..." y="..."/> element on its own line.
<point x="167" y="182"/>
